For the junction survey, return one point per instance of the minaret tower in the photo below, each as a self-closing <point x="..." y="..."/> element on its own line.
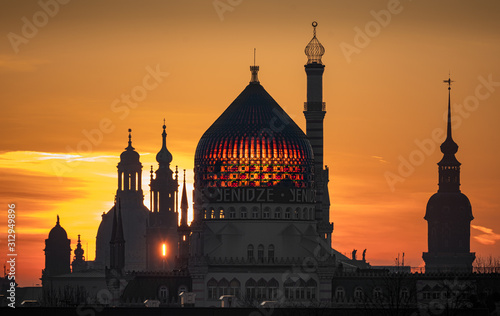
<point x="184" y="230"/>
<point x="449" y="214"/>
<point x="314" y="111"/>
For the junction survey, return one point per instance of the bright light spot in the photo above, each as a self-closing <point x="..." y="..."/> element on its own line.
<point x="164" y="250"/>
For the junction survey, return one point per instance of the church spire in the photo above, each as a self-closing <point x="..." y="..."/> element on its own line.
<point x="184" y="203"/>
<point x="449" y="166"/>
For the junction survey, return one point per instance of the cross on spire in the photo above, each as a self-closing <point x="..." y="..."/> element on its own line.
<point x="449" y="81"/>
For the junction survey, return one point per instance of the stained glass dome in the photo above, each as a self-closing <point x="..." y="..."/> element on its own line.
<point x="254" y="143"/>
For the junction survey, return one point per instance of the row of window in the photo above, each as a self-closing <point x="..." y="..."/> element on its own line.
<point x="307" y="213"/>
<point x="262" y="290"/>
<point x="359" y="293"/>
<point x="260" y="253"/>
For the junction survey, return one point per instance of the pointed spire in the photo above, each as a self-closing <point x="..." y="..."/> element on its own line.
<point x="57" y="222"/>
<point x="314" y="50"/>
<point x="184" y="202"/>
<point x="449" y="166"/>
<point x="449" y="147"/>
<point x="254" y="70"/>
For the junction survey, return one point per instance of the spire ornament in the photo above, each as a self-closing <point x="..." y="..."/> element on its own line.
<point x="314" y="50"/>
<point x="449" y="147"/>
<point x="164" y="157"/>
<point x="130" y="140"/>
<point x="254" y="70"/>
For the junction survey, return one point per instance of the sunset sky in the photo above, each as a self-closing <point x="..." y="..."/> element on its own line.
<point x="75" y="75"/>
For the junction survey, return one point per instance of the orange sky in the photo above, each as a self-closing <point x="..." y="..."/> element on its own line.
<point x="66" y="74"/>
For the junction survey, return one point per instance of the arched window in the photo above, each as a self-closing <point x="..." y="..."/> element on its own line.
<point x="232" y="212"/>
<point x="261" y="289"/>
<point x="234" y="287"/>
<point x="277" y="213"/>
<point x="270" y="253"/>
<point x="377" y="293"/>
<point x="289" y="287"/>
<point x="205" y="216"/>
<point x="358" y="293"/>
<point x="272" y="289"/>
<point x="163" y="293"/>
<point x="339" y="294"/>
<point x="221" y="213"/>
<point x="266" y="212"/>
<point x="296" y="213"/>
<point x="223" y="287"/>
<point x="260" y="253"/>
<point x="250" y="286"/>
<point x="243" y="212"/>
<point x="311" y="286"/>
<point x="212" y="289"/>
<point x="255" y="212"/>
<point x="305" y="213"/>
<point x="250" y="252"/>
<point x="212" y="213"/>
<point x="288" y="213"/>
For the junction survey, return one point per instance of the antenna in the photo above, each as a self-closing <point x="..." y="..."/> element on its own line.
<point x="254" y="53"/>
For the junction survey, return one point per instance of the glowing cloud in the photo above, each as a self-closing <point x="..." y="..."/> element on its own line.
<point x="488" y="238"/>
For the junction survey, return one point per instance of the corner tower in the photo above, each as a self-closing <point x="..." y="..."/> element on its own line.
<point x="57" y="252"/>
<point x="314" y="111"/>
<point x="449" y="214"/>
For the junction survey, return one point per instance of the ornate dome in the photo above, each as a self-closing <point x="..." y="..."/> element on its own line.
<point x="129" y="155"/>
<point x="254" y="143"/>
<point x="449" y="205"/>
<point x="57" y="232"/>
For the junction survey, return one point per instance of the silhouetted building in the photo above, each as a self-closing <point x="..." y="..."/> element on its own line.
<point x="57" y="252"/>
<point x="314" y="112"/>
<point x="117" y="242"/>
<point x="261" y="229"/>
<point x="79" y="263"/>
<point x="162" y="243"/>
<point x="134" y="215"/>
<point x="260" y="200"/>
<point x="184" y="231"/>
<point x="449" y="214"/>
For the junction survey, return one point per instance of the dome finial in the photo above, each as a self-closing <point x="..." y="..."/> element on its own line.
<point x="314" y="50"/>
<point x="130" y="140"/>
<point x="254" y="70"/>
<point x="57" y="222"/>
